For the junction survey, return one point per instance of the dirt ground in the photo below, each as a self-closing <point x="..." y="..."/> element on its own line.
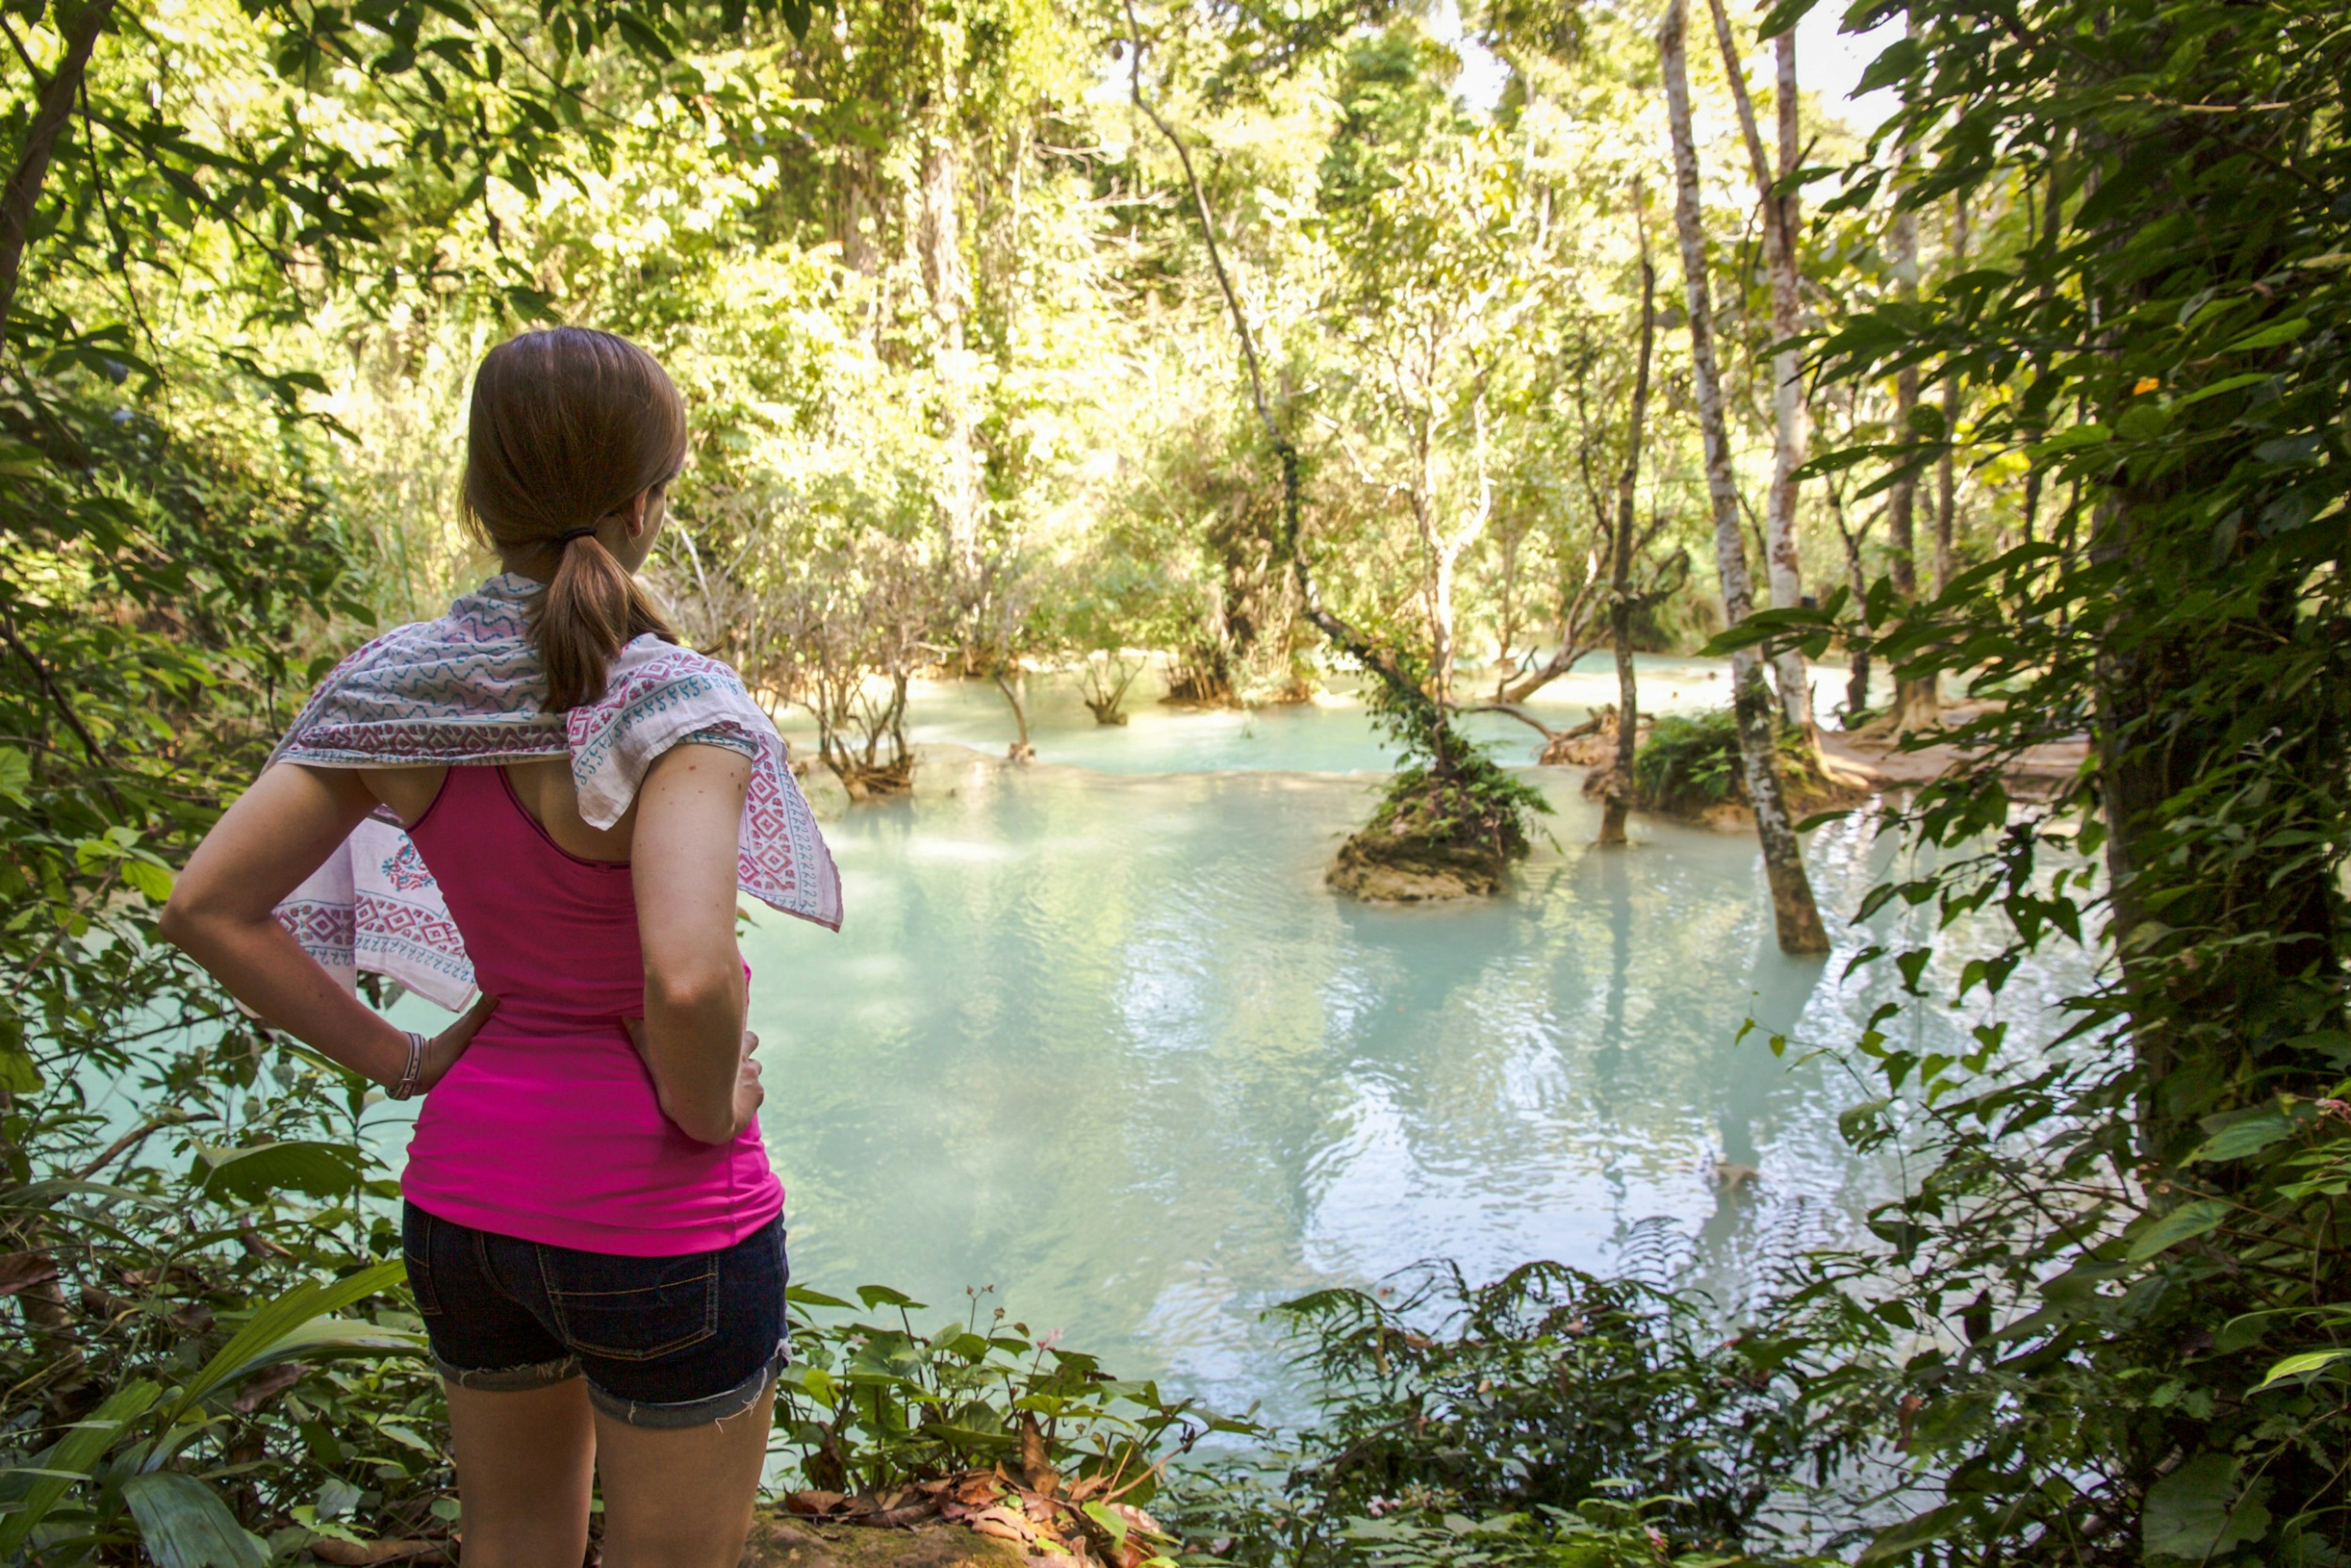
<point x="1873" y="756"/>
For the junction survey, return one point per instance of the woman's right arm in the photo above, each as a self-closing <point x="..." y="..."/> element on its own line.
<point x="221" y="914"/>
<point x="682" y="861"/>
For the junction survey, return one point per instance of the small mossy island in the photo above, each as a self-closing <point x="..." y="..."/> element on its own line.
<point x="1689" y="767"/>
<point x="1451" y="828"/>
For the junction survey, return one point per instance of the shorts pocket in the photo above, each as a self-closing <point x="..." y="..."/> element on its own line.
<point x="630" y="1309"/>
<point x="416" y="1252"/>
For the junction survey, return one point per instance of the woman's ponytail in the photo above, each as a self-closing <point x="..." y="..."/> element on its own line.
<point x="592" y="610"/>
<point x="568" y="427"/>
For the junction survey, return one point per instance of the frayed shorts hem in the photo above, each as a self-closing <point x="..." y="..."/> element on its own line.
<point x="678" y="1416"/>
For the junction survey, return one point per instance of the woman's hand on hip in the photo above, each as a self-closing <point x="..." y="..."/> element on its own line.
<point x="749" y="1094"/>
<point x="442" y="1051"/>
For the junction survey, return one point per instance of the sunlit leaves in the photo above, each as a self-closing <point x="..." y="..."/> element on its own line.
<point x="2164" y="347"/>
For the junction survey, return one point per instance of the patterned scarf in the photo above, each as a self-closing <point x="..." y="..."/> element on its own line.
<point x="466" y="690"/>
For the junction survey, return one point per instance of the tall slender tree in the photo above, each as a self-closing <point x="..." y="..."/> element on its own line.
<point x="1946" y="467"/>
<point x="1782" y="565"/>
<point x="1795" y="912"/>
<point x="1917" y="704"/>
<point x="1621" y="548"/>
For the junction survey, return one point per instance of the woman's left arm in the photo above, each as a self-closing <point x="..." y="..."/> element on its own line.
<point x="220" y="912"/>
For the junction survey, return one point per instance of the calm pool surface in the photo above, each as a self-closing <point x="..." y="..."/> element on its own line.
<point x="1096" y="1035"/>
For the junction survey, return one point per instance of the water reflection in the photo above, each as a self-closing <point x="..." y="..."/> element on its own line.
<point x="1104" y="1041"/>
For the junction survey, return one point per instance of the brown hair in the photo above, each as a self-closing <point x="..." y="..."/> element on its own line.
<point x="567" y="425"/>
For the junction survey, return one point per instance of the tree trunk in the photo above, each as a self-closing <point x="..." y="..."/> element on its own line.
<point x="1856" y="681"/>
<point x="1946" y="469"/>
<point x="958" y="496"/>
<point x="1618" y="802"/>
<point x="1782" y="564"/>
<point x="1014" y="683"/>
<point x="1797" y="916"/>
<point x="1917" y="703"/>
<point x="1789" y="421"/>
<point x="51" y="113"/>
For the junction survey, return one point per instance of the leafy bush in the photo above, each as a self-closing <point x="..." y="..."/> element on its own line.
<point x="872" y="1408"/>
<point x="1688" y="764"/>
<point x="213" y="1342"/>
<point x="1549" y="1415"/>
<point x="1476" y="804"/>
<point x="1448" y="792"/>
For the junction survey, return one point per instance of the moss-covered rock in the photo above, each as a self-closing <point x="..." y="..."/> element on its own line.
<point x="1434" y="839"/>
<point x="781" y="1541"/>
<point x="1384" y="867"/>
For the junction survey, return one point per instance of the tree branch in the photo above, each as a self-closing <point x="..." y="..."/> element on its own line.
<point x="50" y="114"/>
<point x="1349" y="639"/>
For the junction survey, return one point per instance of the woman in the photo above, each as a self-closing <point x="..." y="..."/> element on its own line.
<point x="591" y="1226"/>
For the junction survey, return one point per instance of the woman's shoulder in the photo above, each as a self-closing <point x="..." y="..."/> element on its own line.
<point x="651" y="670"/>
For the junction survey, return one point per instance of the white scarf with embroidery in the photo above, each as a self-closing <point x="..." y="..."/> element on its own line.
<point x="466" y="690"/>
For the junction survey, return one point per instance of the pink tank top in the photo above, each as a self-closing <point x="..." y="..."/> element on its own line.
<point x="548" y="1127"/>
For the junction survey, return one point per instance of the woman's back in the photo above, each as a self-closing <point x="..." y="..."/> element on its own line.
<point x="550" y="1128"/>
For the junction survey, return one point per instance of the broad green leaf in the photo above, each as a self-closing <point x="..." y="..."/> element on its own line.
<point x="2307" y="1361"/>
<point x="2184" y="1223"/>
<point x="74" y="1455"/>
<point x="2248" y="1136"/>
<point x="1783" y="15"/>
<point x="2069" y="440"/>
<point x="2268" y="337"/>
<point x="801" y="1296"/>
<point x="18" y="1074"/>
<point x="20" y="461"/>
<point x="2226" y="384"/>
<point x="16" y="774"/>
<point x="254" y="1344"/>
<point x="324" y="1337"/>
<point x="184" y="1525"/>
<point x="2194" y="1513"/>
<point x="1111" y="1522"/>
<point x="153" y="880"/>
<point x="1901" y="1540"/>
<point x="250" y="1174"/>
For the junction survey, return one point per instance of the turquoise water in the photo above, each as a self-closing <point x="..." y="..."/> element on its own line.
<point x="1332" y="734"/>
<point x="1095" y="1034"/>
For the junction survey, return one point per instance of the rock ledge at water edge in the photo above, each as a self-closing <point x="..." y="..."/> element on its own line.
<point x="780" y="1543"/>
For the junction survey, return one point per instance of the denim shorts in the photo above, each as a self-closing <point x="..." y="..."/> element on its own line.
<point x="663" y="1341"/>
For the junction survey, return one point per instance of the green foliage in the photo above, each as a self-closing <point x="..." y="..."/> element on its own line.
<point x="2113" y="1304"/>
<point x="1447" y="790"/>
<point x="1548" y="1416"/>
<point x="209" y="1336"/>
<point x="874" y="1407"/>
<point x="1688" y="763"/>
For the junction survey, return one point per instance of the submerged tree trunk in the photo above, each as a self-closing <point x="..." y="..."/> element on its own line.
<point x="1619" y="800"/>
<point x="1014" y="683"/>
<point x="1796" y="915"/>
<point x="1782" y="563"/>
